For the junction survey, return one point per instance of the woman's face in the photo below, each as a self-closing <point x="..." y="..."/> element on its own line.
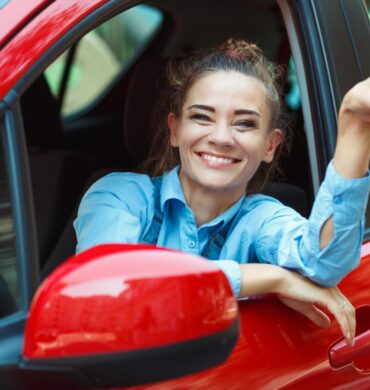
<point x="223" y="133"/>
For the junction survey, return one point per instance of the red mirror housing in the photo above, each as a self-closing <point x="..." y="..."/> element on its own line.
<point x="122" y="300"/>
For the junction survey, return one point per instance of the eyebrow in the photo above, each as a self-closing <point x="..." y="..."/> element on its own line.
<point x="202" y="107"/>
<point x="240" y="111"/>
<point x="248" y="112"/>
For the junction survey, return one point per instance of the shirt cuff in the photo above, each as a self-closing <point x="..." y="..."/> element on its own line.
<point x="353" y="192"/>
<point x="233" y="273"/>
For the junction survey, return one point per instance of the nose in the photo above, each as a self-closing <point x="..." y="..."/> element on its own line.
<point x="221" y="135"/>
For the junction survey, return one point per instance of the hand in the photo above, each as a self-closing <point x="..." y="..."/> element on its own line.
<point x="352" y="154"/>
<point x="306" y="297"/>
<point x="356" y="105"/>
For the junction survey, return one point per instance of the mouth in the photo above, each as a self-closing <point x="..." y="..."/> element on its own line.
<point x="217" y="161"/>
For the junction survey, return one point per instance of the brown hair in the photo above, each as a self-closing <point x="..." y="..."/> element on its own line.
<point x="233" y="55"/>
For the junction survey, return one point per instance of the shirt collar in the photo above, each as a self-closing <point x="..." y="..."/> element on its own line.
<point x="172" y="189"/>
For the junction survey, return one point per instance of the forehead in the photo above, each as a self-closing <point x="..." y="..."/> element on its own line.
<point x="221" y="88"/>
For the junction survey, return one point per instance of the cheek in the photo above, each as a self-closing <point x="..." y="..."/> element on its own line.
<point x="191" y="134"/>
<point x="252" y="144"/>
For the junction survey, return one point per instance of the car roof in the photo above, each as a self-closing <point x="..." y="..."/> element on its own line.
<point x="28" y="28"/>
<point x="16" y="13"/>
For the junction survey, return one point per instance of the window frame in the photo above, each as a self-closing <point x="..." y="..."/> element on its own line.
<point x="12" y="326"/>
<point x="322" y="75"/>
<point x="15" y="152"/>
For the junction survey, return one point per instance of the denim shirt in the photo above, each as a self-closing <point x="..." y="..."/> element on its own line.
<point x="119" y="208"/>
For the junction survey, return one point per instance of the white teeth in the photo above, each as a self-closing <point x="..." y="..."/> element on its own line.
<point x="217" y="159"/>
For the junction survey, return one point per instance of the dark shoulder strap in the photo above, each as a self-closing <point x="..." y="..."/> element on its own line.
<point x="151" y="236"/>
<point x="213" y="248"/>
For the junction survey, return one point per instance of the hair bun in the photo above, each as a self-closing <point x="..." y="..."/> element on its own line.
<point x="242" y="50"/>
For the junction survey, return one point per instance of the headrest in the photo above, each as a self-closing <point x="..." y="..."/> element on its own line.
<point x="41" y="119"/>
<point x="146" y="83"/>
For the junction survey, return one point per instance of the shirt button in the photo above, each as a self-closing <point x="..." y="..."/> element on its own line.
<point x="337" y="199"/>
<point x="191" y="244"/>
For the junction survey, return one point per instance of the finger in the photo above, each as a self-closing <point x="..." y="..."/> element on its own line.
<point x="349" y="311"/>
<point x="310" y="311"/>
<point x="317" y="316"/>
<point x="333" y="304"/>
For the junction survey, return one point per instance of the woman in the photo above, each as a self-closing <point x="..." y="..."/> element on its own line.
<point x="224" y="132"/>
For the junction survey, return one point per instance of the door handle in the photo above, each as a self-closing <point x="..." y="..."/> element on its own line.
<point x="341" y="354"/>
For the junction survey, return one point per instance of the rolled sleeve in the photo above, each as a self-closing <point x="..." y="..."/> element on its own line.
<point x="345" y="201"/>
<point x="345" y="198"/>
<point x="294" y="242"/>
<point x="233" y="273"/>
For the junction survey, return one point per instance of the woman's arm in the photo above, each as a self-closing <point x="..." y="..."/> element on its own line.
<point x="300" y="294"/>
<point x="352" y="153"/>
<point x="327" y="246"/>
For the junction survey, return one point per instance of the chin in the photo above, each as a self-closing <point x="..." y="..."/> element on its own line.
<point x="221" y="186"/>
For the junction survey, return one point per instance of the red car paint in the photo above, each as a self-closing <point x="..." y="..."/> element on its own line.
<point x="38" y="36"/>
<point x="111" y="279"/>
<point x="277" y="348"/>
<point x="280" y="349"/>
<point x="17" y="13"/>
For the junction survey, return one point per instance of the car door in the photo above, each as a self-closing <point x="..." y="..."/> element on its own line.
<point x="277" y="348"/>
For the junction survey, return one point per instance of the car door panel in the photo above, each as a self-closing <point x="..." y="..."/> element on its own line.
<point x="280" y="349"/>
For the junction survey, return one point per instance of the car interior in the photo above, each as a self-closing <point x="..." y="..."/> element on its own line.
<point x="69" y="151"/>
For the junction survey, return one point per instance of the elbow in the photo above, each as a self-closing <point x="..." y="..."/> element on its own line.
<point x="330" y="275"/>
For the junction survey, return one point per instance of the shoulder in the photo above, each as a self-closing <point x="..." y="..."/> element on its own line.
<point x="125" y="187"/>
<point x="262" y="208"/>
<point x="119" y="179"/>
<point x="260" y="201"/>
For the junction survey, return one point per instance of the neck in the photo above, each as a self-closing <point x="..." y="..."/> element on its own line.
<point x="207" y="204"/>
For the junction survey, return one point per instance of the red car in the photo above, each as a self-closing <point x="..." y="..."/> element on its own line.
<point x="79" y="79"/>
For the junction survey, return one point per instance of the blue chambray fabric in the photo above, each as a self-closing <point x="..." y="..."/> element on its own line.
<point x="119" y="208"/>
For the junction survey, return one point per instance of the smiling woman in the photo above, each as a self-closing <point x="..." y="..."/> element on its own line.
<point x="222" y="141"/>
<point x="223" y="138"/>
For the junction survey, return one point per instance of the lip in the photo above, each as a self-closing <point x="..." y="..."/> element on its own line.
<point x="223" y="161"/>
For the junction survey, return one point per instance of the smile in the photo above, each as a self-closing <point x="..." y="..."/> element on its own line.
<point x="217" y="160"/>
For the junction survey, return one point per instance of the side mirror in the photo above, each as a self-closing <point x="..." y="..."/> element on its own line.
<point x="120" y="315"/>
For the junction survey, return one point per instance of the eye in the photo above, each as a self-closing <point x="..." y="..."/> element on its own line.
<point x="200" y="117"/>
<point x="245" y="124"/>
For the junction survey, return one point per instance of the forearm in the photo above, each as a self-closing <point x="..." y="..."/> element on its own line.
<point x="352" y="153"/>
<point x="259" y="279"/>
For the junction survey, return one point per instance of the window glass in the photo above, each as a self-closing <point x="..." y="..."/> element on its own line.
<point x="9" y="284"/>
<point x="101" y="55"/>
<point x="293" y="97"/>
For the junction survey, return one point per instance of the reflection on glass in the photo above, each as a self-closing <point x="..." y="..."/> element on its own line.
<point x="293" y="97"/>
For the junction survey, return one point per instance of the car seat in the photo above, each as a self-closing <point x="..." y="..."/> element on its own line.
<point x="58" y="176"/>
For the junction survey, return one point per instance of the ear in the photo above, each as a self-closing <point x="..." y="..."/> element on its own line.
<point x="274" y="140"/>
<point x="173" y="125"/>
